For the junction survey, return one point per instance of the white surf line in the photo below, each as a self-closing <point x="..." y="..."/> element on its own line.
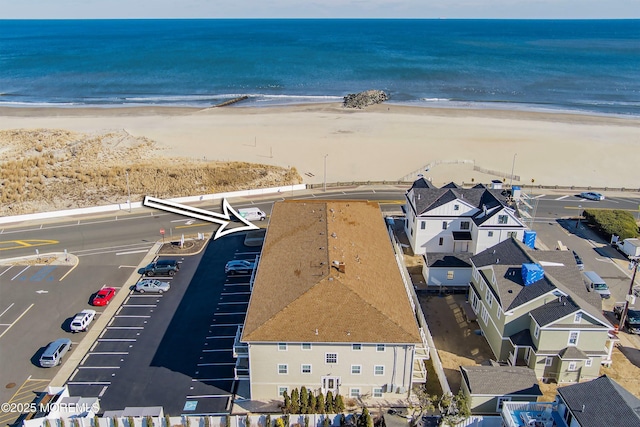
<point x="132" y="252"/>
<point x="563" y="197"/>
<point x="24" y="269"/>
<point x="216" y="364"/>
<point x="12" y="304"/>
<point x="10" y="267"/>
<point x="16" y="321"/>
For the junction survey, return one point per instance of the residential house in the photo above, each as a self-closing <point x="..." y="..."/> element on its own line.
<point x="446" y="270"/>
<point x="488" y="387"/>
<point x="329" y="308"/>
<point x="534" y="310"/>
<point x="596" y="403"/>
<point x="456" y="219"/>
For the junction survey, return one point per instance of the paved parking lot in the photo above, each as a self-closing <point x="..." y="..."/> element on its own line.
<point x="173" y="350"/>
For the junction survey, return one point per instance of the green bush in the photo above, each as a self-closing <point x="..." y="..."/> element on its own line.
<point x="612" y="221"/>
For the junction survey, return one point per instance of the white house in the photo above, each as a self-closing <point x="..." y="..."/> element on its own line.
<point x="456" y="219"/>
<point x="329" y="309"/>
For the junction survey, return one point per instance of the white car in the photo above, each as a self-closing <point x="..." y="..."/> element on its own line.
<point x="152" y="285"/>
<point x="81" y="321"/>
<point x="592" y="195"/>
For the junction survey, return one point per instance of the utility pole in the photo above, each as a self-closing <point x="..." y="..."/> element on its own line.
<point x="513" y="165"/>
<point x="623" y="317"/>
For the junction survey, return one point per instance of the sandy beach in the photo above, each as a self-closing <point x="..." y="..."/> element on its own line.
<point x="383" y="142"/>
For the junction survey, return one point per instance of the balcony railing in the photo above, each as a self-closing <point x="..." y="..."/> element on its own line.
<point x="240" y="349"/>
<point x="521" y="414"/>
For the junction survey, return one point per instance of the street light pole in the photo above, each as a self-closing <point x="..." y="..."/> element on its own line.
<point x="623" y="317"/>
<point x="128" y="191"/>
<point x="513" y="165"/>
<point x="324" y="185"/>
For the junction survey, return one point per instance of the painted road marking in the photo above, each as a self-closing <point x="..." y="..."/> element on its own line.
<point x="21" y="271"/>
<point x="21" y="244"/>
<point x="7" y="309"/>
<point x="15" y="321"/>
<point x="539" y="196"/>
<point x="132" y="252"/>
<point x="6" y="270"/>
<point x="42" y="273"/>
<point x="562" y="197"/>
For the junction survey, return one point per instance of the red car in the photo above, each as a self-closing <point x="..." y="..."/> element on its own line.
<point x="103" y="296"/>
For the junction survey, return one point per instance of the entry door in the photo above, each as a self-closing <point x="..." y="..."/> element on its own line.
<point x="330" y="384"/>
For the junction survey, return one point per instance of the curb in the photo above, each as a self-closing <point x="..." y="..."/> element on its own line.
<point x="78" y="355"/>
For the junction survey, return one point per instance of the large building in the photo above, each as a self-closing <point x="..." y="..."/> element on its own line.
<point x="534" y="310"/>
<point x="329" y="309"/>
<point x="452" y="219"/>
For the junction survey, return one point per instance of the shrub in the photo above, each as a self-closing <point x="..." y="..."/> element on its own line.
<point x="329" y="403"/>
<point x="304" y="400"/>
<point x="320" y="408"/>
<point x="279" y="422"/>
<point x="267" y="421"/>
<point x="612" y="221"/>
<point x="247" y="421"/>
<point x="306" y="421"/>
<point x="326" y="422"/>
<point x="312" y="403"/>
<point x="295" y="402"/>
<point x="339" y="404"/>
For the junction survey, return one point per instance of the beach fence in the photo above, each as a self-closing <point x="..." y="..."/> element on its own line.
<point x="416" y="173"/>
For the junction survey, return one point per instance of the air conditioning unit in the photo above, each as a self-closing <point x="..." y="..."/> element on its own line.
<point x="401" y="390"/>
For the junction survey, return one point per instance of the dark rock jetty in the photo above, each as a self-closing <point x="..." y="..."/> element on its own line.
<point x="364" y="99"/>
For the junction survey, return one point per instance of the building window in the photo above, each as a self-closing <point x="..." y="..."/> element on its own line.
<point x="423" y="225"/>
<point x="356" y="347"/>
<point x="356" y="369"/>
<point x="588" y="362"/>
<point x="573" y="338"/>
<point x="485" y="315"/>
<point x="498" y="312"/>
<point x="456" y="207"/>
<point x="354" y="392"/>
<point x="490" y="234"/>
<point x="380" y="347"/>
<point x="573" y="366"/>
<point x="331" y="358"/>
<point x="501" y="400"/>
<point x="503" y="219"/>
<point x="283" y="369"/>
<point x="465" y="225"/>
<point x="474" y="301"/>
<point x="441" y="241"/>
<point x="548" y="361"/>
<point x="444" y="225"/>
<point x="377" y="392"/>
<point x="450" y="275"/>
<point x="282" y="389"/>
<point x="489" y="296"/>
<point x="577" y="318"/>
<point x="536" y="331"/>
<point x="306" y="346"/>
<point x="282" y="346"/>
<point x="306" y="369"/>
<point x="378" y="370"/>
<point x="476" y="274"/>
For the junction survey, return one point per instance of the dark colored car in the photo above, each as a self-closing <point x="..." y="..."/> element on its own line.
<point x="162" y="267"/>
<point x="239" y="266"/>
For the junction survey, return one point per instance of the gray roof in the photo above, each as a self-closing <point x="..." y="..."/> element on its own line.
<point x="572" y="353"/>
<point x="601" y="402"/>
<point x="554" y="310"/>
<point x="561" y="272"/>
<point x="501" y="380"/>
<point x="447" y="259"/>
<point x="523" y="339"/>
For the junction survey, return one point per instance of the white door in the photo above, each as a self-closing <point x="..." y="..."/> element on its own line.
<point x="330" y="384"/>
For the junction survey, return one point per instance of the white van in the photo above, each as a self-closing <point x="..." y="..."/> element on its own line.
<point x="252" y="214"/>
<point x="595" y="283"/>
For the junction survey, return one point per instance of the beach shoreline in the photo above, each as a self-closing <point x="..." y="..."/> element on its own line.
<point x="384" y="142"/>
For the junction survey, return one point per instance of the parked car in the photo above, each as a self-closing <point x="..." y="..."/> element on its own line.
<point x="54" y="352"/>
<point x="161" y="267"/>
<point x="103" y="296"/>
<point x="578" y="261"/>
<point x="632" y="322"/>
<point x="592" y="195"/>
<point x="597" y="284"/>
<point x="81" y="321"/>
<point x="239" y="266"/>
<point x="152" y="285"/>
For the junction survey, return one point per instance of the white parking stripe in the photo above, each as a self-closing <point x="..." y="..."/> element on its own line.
<point x="132" y="252"/>
<point x="6" y="270"/>
<point x="220" y="337"/>
<point x="211" y="379"/>
<point x="125" y="327"/>
<point x="21" y="271"/>
<point x="141" y="305"/>
<point x="89" y="383"/>
<point x="110" y="352"/>
<point x="216" y="364"/>
<point x="229" y="314"/>
<point x="235" y="293"/>
<point x="539" y="196"/>
<point x="232" y="303"/>
<point x="226" y="324"/>
<point x="98" y="367"/>
<point x="216" y="350"/>
<point x="117" y="339"/>
<point x="562" y="197"/>
<point x="141" y="316"/>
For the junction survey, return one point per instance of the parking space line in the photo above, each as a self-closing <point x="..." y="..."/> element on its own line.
<point x="21" y="271"/>
<point x="220" y="337"/>
<point x="212" y="379"/>
<point x="563" y="197"/>
<point x="132" y="252"/>
<point x="226" y="324"/>
<point x="247" y="253"/>
<point x="109" y="352"/>
<point x="117" y="340"/>
<point x="10" y="267"/>
<point x="125" y="327"/>
<point x="104" y="389"/>
<point x="141" y="316"/>
<point x="146" y="296"/>
<point x="208" y="396"/>
<point x="16" y="321"/>
<point x="233" y="302"/>
<point x="84" y="359"/>
<point x="236" y="284"/>
<point x="235" y="293"/>
<point x="141" y="305"/>
<point x="73" y="375"/>
<point x="98" y="367"/>
<point x="8" y="308"/>
<point x="88" y="383"/>
<point x="229" y="314"/>
<point x="216" y="350"/>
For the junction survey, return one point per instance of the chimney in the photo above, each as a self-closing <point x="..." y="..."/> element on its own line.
<point x="341" y="267"/>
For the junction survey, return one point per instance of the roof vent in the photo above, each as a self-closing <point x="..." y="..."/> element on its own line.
<point x="334" y="235"/>
<point x="497" y="260"/>
<point x="331" y="210"/>
<point x="316" y="331"/>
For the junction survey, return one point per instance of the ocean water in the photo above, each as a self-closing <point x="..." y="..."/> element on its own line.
<point x="590" y="66"/>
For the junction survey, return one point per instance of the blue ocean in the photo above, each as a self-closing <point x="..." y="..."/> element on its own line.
<point x="589" y="66"/>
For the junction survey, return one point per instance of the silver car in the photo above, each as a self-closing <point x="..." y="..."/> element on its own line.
<point x="152" y="285"/>
<point x="591" y="195"/>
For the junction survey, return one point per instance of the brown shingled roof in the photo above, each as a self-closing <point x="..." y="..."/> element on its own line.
<point x="300" y="296"/>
